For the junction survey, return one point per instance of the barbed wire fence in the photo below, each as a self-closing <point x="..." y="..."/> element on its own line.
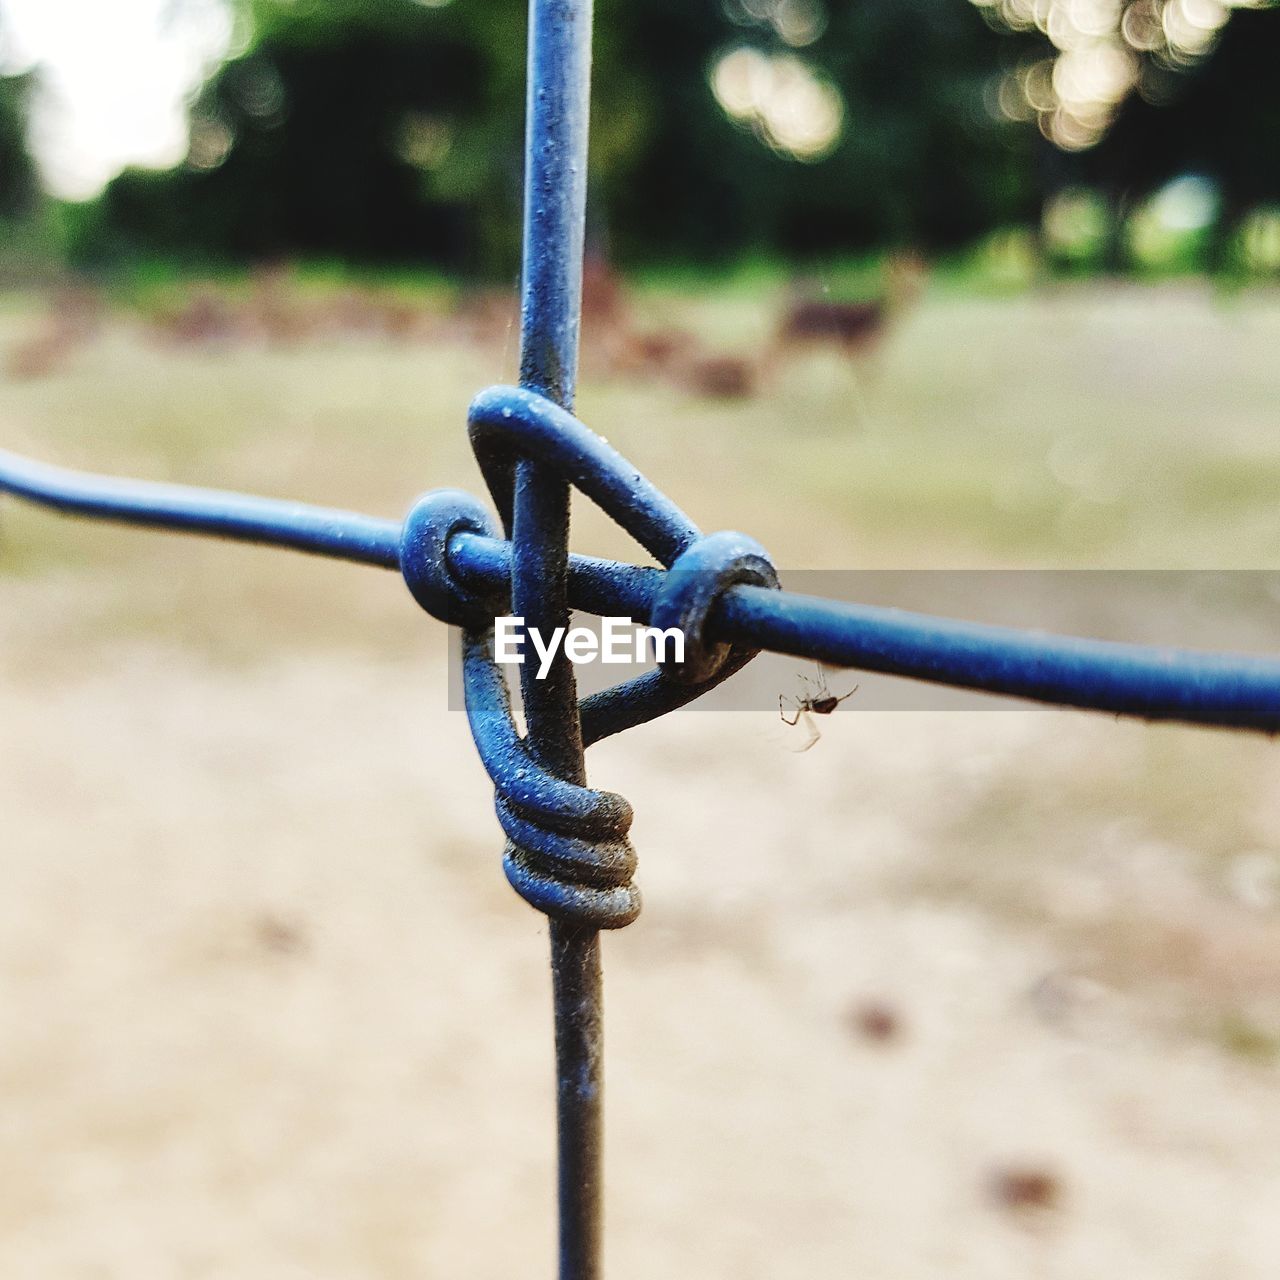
<point x="567" y="848"/>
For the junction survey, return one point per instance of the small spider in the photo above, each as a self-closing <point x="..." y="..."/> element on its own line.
<point x="816" y="699"/>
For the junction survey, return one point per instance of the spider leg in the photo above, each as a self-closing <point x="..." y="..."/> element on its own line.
<point x="850" y="694"/>
<point x="782" y="715"/>
<point x="811" y="728"/>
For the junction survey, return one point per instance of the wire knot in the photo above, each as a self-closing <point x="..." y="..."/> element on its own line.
<point x="691" y="589"/>
<point x="428" y="529"/>
<point x="568" y="853"/>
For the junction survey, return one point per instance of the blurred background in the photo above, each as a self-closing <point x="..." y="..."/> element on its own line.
<point x="891" y="284"/>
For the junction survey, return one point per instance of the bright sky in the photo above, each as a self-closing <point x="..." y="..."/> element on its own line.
<point x="115" y="78"/>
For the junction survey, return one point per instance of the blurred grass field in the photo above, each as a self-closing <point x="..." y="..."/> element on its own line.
<point x="270" y="1010"/>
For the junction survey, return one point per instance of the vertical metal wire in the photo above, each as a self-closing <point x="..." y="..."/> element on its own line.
<point x="559" y="79"/>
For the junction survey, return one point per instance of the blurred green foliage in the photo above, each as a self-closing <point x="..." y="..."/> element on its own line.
<point x="30" y="241"/>
<point x="1219" y="118"/>
<point x="388" y="133"/>
<point x="19" y="187"/>
<point x="389" y="130"/>
<point x="317" y="140"/>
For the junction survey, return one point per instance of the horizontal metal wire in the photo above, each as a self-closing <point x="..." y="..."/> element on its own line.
<point x="342" y="535"/>
<point x="1230" y="690"/>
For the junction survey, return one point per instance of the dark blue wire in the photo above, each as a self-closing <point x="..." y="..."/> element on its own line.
<point x="1231" y="690"/>
<point x="535" y="513"/>
<point x="342" y="535"/>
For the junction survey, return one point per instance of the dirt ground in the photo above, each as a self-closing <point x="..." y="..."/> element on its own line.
<point x="965" y="995"/>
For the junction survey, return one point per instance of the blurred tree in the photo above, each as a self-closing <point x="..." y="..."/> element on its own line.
<point x="915" y="155"/>
<point x="349" y="128"/>
<point x="1134" y="93"/>
<point x="1219" y="118"/>
<point x="390" y="129"/>
<point x="932" y="163"/>
<point x="19" y="184"/>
